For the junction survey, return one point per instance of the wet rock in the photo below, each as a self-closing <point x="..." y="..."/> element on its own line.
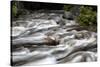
<point x="68" y="15"/>
<point x="82" y="34"/>
<point x="79" y="36"/>
<point x="37" y="40"/>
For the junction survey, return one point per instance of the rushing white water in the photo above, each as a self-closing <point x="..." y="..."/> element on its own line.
<point x="73" y="46"/>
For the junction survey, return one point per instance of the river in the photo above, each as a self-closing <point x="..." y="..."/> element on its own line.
<point x="45" y="37"/>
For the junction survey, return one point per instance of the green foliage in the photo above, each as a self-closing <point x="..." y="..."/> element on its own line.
<point x="14" y="9"/>
<point x="88" y="17"/>
<point x="67" y="7"/>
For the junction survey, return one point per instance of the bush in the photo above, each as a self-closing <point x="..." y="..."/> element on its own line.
<point x="87" y="16"/>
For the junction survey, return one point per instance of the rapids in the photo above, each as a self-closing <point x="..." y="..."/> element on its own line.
<point x="46" y="37"/>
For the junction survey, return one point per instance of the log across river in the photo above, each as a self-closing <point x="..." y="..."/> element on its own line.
<point x="45" y="37"/>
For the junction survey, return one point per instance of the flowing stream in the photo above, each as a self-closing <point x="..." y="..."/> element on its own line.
<point x="45" y="37"/>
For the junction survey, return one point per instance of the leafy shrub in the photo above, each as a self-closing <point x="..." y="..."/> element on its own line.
<point x="87" y="16"/>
